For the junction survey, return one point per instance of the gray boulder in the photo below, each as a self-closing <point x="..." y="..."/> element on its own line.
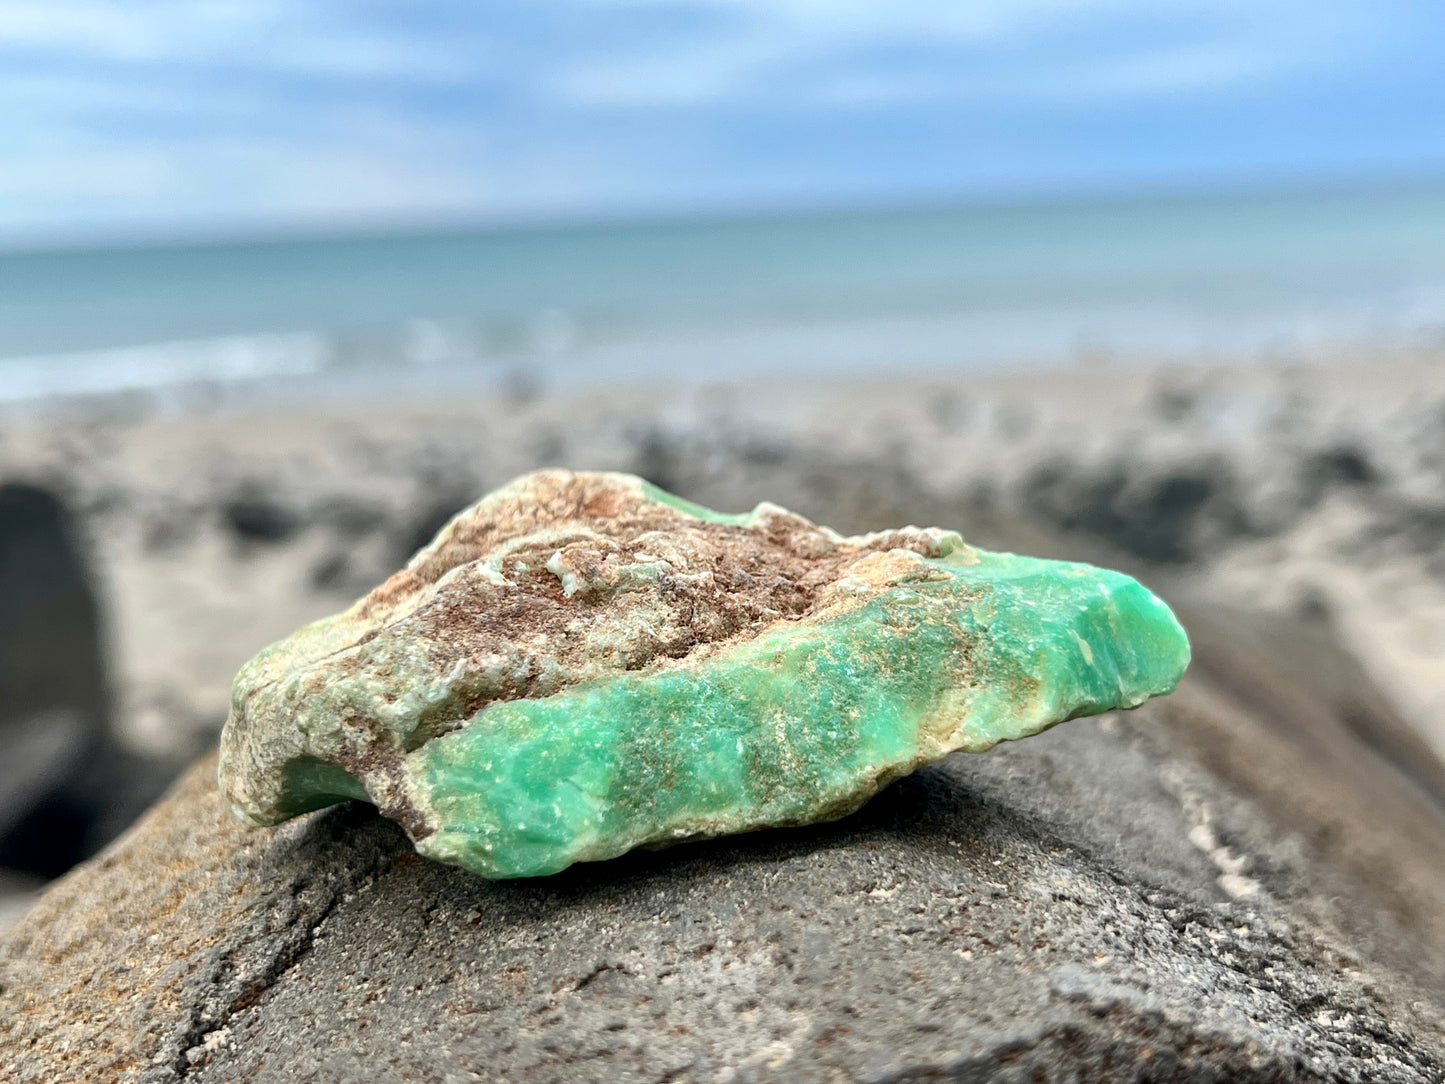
<point x="67" y="785"/>
<point x="53" y="707"/>
<point x="1239" y="883"/>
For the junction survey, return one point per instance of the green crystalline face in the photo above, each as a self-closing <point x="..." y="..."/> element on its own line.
<point x="916" y="647"/>
<point x="799" y="725"/>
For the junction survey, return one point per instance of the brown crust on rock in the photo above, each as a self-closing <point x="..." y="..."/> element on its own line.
<point x="715" y="582"/>
<point x="557" y="579"/>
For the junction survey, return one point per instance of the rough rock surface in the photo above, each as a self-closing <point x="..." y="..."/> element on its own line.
<point x="1268" y="833"/>
<point x="1096" y="904"/>
<point x="580" y="664"/>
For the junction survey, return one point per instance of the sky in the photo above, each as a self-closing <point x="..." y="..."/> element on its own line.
<point x="159" y="118"/>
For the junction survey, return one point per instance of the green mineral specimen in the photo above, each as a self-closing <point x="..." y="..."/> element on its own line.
<point x="581" y="664"/>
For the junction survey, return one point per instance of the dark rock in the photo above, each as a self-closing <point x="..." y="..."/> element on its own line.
<point x="1175" y="403"/>
<point x="1162" y="516"/>
<point x="1343" y="464"/>
<point x="43" y="752"/>
<point x="252" y="516"/>
<point x="49" y="625"/>
<point x="657" y="458"/>
<point x="1098" y="904"/>
<point x="421" y="526"/>
<point x="53" y="704"/>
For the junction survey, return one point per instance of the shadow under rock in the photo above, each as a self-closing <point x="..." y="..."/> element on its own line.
<point x="924" y="808"/>
<point x="1084" y="796"/>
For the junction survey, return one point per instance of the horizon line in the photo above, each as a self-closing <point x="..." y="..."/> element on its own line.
<point x="379" y="227"/>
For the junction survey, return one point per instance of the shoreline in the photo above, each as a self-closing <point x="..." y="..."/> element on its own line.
<point x="282" y="369"/>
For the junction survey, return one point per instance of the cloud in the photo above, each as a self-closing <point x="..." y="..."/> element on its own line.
<point x="117" y="114"/>
<point x="869" y="19"/>
<point x="324" y="38"/>
<point x="858" y="52"/>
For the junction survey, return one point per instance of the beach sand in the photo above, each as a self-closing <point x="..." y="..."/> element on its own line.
<point x="216" y="527"/>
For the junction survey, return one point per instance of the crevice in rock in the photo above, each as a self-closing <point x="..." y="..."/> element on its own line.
<point x="236" y="982"/>
<point x="241" y="993"/>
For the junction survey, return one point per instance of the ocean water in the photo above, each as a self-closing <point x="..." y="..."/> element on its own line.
<point x="1229" y="276"/>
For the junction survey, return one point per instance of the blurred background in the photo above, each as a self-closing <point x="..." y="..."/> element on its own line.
<point x="283" y="286"/>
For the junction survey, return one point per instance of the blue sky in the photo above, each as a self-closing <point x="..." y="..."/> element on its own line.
<point x="162" y="118"/>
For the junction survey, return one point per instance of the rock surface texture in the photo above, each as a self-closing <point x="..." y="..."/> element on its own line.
<point x="1086" y="906"/>
<point x="1241" y="882"/>
<point x="580" y="664"/>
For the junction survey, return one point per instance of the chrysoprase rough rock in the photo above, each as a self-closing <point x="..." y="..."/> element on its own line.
<point x="580" y="664"/>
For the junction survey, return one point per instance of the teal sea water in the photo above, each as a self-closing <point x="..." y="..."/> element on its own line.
<point x="1228" y="276"/>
